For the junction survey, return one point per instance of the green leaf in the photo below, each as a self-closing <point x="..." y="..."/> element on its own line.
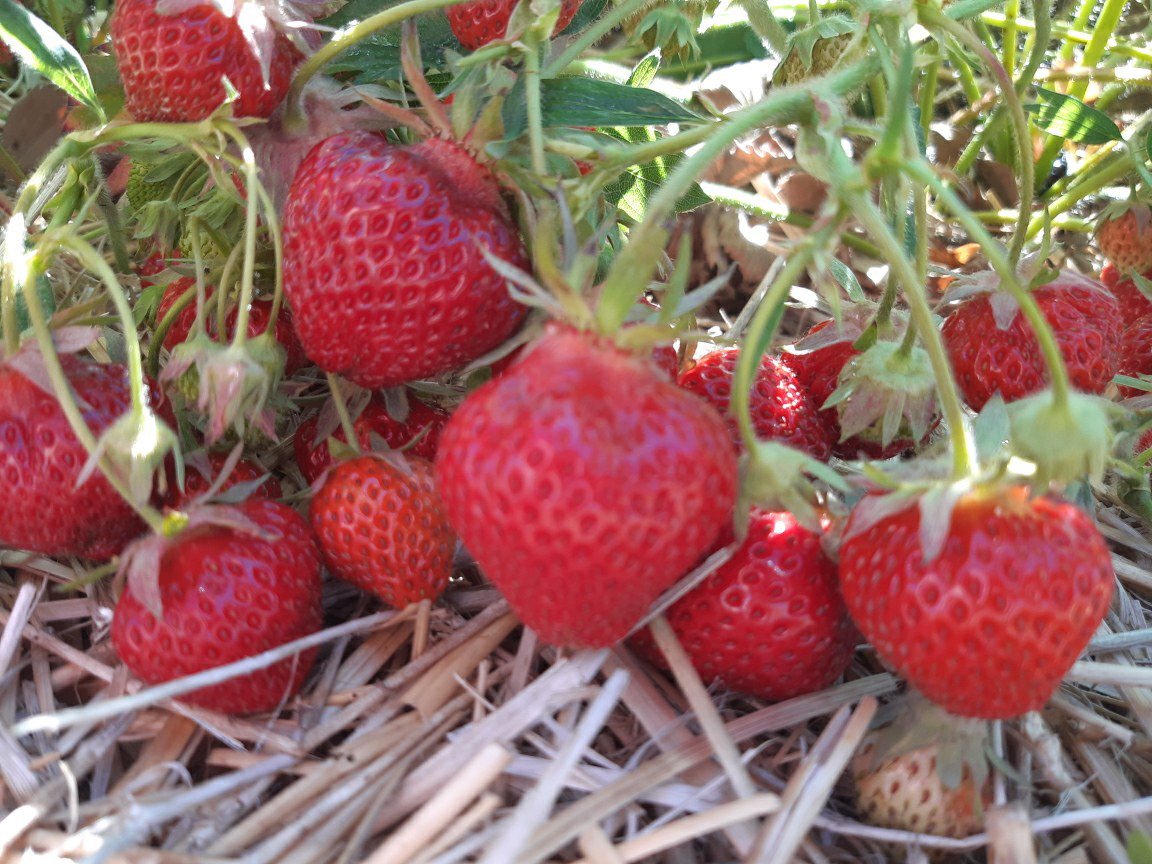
<point x="846" y="279"/>
<point x="1139" y="848"/>
<point x="587" y="102"/>
<point x="589" y="11"/>
<point x="1069" y="118"/>
<point x="645" y="71"/>
<point x="377" y="58"/>
<point x="43" y="49"/>
<point x="720" y="47"/>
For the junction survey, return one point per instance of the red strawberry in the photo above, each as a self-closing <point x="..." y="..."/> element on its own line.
<point x="992" y="347"/>
<point x="154" y="264"/>
<point x="1013" y="595"/>
<point x="423" y="424"/>
<point x="1109" y="275"/>
<point x="1133" y="302"/>
<point x="181" y="326"/>
<point x="381" y="526"/>
<point x="1124" y="235"/>
<point x="382" y="260"/>
<point x="781" y="409"/>
<point x="482" y="21"/>
<point x="42" y="509"/>
<point x="227" y="594"/>
<point x="173" y="66"/>
<point x="770" y="621"/>
<point x="1136" y="353"/>
<point x="666" y="357"/>
<point x="258" y="314"/>
<point x="196" y="483"/>
<point x="585" y="483"/>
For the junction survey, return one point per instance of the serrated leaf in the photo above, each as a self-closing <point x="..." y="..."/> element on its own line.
<point x="43" y="49"/>
<point x="1069" y="118"/>
<point x="600" y="104"/>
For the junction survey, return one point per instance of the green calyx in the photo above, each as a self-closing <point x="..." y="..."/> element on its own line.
<point x="817" y="50"/>
<point x="1066" y="442"/>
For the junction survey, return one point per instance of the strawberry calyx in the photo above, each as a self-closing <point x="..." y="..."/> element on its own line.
<point x="1067" y="441"/>
<point x="776" y="477"/>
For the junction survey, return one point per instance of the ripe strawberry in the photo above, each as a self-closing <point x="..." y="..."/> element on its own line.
<point x="155" y="263"/>
<point x="1124" y="235"/>
<point x="585" y="483"/>
<point x="781" y="409"/>
<point x="382" y="263"/>
<point x="1133" y="302"/>
<point x="227" y="594"/>
<point x="181" y="326"/>
<point x="770" y="621"/>
<point x="42" y="509"/>
<point x="423" y="425"/>
<point x="1109" y="275"/>
<point x="992" y="347"/>
<point x="1136" y="353"/>
<point x="173" y="65"/>
<point x="1016" y="590"/>
<point x="477" y="23"/>
<point x="196" y="483"/>
<point x="905" y="792"/>
<point x="381" y="526"/>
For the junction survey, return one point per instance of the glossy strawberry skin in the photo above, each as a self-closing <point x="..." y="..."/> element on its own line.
<point x="42" y="509"/>
<point x="987" y="359"/>
<point x="383" y="529"/>
<point x="477" y="23"/>
<point x="173" y="66"/>
<point x="228" y="595"/>
<point x="782" y="410"/>
<point x="1012" y="599"/>
<point x="1136" y="353"/>
<point x="423" y="425"/>
<point x="381" y="262"/>
<point x="770" y="621"/>
<point x="181" y="326"/>
<point x="1133" y="303"/>
<point x="585" y="483"/>
<point x="196" y="484"/>
<point x="1126" y="239"/>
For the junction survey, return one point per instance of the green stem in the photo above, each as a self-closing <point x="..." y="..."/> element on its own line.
<point x="1026" y="167"/>
<point x="1009" y="280"/>
<point x="534" y="110"/>
<point x="342" y="412"/>
<point x="873" y="221"/>
<point x="344" y="40"/>
<point x="152" y="363"/>
<point x="596" y="31"/>
<point x="763" y="20"/>
<point x="1070" y="37"/>
<point x="927" y="103"/>
<point x="1115" y="165"/>
<point x="247" y="278"/>
<point x="1011" y="13"/>
<point x="636" y="263"/>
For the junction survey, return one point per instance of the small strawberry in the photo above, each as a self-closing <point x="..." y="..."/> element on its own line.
<point x="479" y="22"/>
<point x="1006" y="588"/>
<point x="423" y="426"/>
<point x="781" y="409"/>
<point x="770" y="621"/>
<point x="230" y="588"/>
<point x="1134" y="303"/>
<point x="197" y="482"/>
<point x="381" y="526"/>
<point x="383" y="264"/>
<point x="1124" y="235"/>
<point x="181" y="326"/>
<point x="1136" y="353"/>
<point x="42" y="508"/>
<point x="173" y="58"/>
<point x="993" y="350"/>
<point x="585" y="483"/>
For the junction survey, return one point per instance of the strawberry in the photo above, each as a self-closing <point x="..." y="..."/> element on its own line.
<point x="905" y="792"/>
<point x="781" y="409"/>
<point x="173" y="65"/>
<point x="585" y="483"/>
<point x="422" y="425"/>
<point x="477" y="23"/>
<point x="1124" y="235"/>
<point x="226" y="593"/>
<point x="181" y="326"/>
<point x="381" y="526"/>
<point x="1013" y="592"/>
<point x="993" y="350"/>
<point x="42" y="509"/>
<point x="382" y="260"/>
<point x="1136" y="353"/>
<point x="770" y="621"/>
<point x="196" y="482"/>
<point x="1133" y="302"/>
<point x="1109" y="275"/>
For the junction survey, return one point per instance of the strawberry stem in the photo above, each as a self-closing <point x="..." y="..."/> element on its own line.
<point x="595" y="31"/>
<point x="1042" y="330"/>
<point x="163" y="326"/>
<point x="342" y="412"/>
<point x="251" y="213"/>
<point x="763" y="21"/>
<point x="535" y="113"/>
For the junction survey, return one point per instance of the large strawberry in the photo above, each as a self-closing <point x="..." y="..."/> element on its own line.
<point x="993" y="350"/>
<point x="585" y="483"/>
<point x="226" y="593"/>
<point x="1124" y="235"/>
<point x="42" y="508"/>
<point x="1134" y="303"/>
<point x="477" y="23"/>
<point x="418" y="435"/>
<point x="174" y="57"/>
<point x="781" y="409"/>
<point x="770" y="621"/>
<point x="1136" y="353"/>
<point x="1009" y="591"/>
<point x="383" y="263"/>
<point x="381" y="526"/>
